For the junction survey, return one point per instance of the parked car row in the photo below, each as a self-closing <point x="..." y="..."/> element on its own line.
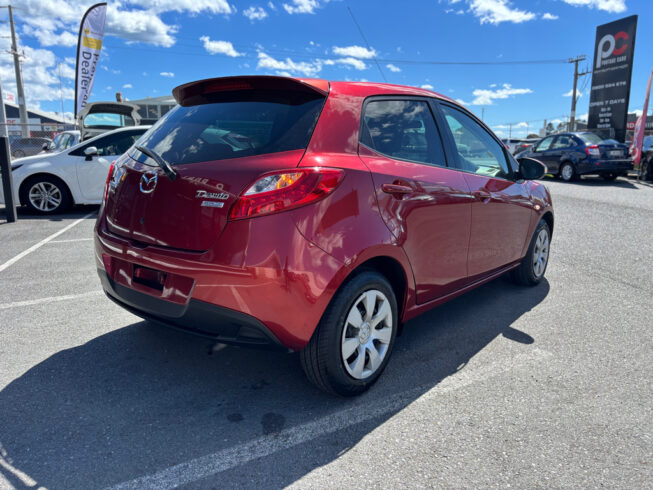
<point x="515" y="145"/>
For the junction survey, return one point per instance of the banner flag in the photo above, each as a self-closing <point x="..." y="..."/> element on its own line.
<point x="638" y="134"/>
<point x="89" y="45"/>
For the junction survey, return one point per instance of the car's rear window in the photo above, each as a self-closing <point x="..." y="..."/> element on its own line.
<point x="235" y="125"/>
<point x="591" y="138"/>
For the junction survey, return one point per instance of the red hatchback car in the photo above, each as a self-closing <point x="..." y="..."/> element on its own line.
<point x="315" y="216"/>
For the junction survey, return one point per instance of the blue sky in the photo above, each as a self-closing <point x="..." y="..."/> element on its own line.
<point x="152" y="46"/>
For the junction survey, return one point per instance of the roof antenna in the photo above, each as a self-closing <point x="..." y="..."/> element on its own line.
<point x="367" y="44"/>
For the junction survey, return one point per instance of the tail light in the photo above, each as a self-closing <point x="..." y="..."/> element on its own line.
<point x="593" y="151"/>
<point x="109" y="177"/>
<point x="280" y="191"/>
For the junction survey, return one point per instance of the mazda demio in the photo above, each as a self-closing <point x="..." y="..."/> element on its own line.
<point x="315" y="216"/>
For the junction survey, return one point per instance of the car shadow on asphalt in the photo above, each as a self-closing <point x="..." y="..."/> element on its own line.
<point x="142" y="398"/>
<point x="591" y="181"/>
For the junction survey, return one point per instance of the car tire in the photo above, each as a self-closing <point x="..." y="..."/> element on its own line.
<point x="45" y="194"/>
<point x="532" y="268"/>
<point x="339" y="358"/>
<point x="18" y="154"/>
<point x="567" y="172"/>
<point x="609" y="177"/>
<point x="647" y="169"/>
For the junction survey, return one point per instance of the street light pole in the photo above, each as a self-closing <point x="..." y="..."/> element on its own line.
<point x="22" y="109"/>
<point x="572" y="119"/>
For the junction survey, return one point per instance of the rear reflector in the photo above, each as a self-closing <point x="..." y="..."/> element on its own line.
<point x="280" y="191"/>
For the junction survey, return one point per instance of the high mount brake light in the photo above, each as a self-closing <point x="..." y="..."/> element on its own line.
<point x="593" y="151"/>
<point x="288" y="189"/>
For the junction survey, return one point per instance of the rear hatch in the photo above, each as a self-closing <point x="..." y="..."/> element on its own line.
<point x="224" y="134"/>
<point x="99" y="117"/>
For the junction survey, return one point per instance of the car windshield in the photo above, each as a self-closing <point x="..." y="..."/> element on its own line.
<point x="590" y="138"/>
<point x="235" y="125"/>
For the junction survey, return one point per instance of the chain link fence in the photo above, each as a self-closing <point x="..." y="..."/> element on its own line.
<point x="30" y="139"/>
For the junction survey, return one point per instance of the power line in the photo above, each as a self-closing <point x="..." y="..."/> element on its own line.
<point x="367" y="44"/>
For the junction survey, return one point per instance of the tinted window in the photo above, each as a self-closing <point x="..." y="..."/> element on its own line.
<point x="113" y="144"/>
<point x="545" y="144"/>
<point x="402" y="129"/>
<point x="235" y="125"/>
<point x="477" y="150"/>
<point x="563" y="141"/>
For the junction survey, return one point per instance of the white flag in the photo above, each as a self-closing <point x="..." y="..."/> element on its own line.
<point x="89" y="45"/>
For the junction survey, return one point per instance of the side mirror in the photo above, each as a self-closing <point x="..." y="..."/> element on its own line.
<point x="45" y="147"/>
<point x="90" y="152"/>
<point x="531" y="169"/>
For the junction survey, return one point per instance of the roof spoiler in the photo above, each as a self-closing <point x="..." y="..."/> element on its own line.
<point x="184" y="94"/>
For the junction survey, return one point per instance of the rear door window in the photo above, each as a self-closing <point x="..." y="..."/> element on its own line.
<point x="233" y="125"/>
<point x="562" y="141"/>
<point x="545" y="144"/>
<point x="402" y="129"/>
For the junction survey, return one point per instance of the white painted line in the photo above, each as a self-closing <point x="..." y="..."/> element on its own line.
<point x="12" y="261"/>
<point x="72" y="240"/>
<point x="51" y="299"/>
<point x="212" y="464"/>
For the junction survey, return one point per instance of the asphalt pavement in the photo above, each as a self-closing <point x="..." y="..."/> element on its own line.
<point x="506" y="386"/>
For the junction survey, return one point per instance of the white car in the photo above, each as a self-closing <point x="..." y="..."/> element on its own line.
<point x="51" y="182"/>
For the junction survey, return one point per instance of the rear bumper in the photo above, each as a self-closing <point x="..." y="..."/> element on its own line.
<point x="261" y="283"/>
<point x="196" y="317"/>
<point x="605" y="166"/>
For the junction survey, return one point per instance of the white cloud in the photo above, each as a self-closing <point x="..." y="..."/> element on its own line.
<point x="549" y="16"/>
<point x="289" y="66"/>
<point x="355" y="52"/>
<point x="353" y="62"/>
<point x="139" y="26"/>
<point x="462" y="102"/>
<point x="427" y="86"/>
<point x="219" y="47"/>
<point x="192" y="6"/>
<point x="301" y="6"/>
<point x="522" y="124"/>
<point x="393" y="68"/>
<point x="272" y="6"/>
<point x="66" y="71"/>
<point x="255" y="13"/>
<point x="497" y="11"/>
<point x="485" y="96"/>
<point x="614" y="6"/>
<point x="50" y="38"/>
<point x="568" y="94"/>
<point x="167" y="74"/>
<point x="128" y="85"/>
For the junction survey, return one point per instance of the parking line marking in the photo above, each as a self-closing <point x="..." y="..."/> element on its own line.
<point x="51" y="299"/>
<point x="212" y="464"/>
<point x="72" y="240"/>
<point x="12" y="261"/>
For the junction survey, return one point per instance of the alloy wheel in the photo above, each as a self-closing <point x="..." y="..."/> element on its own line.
<point x="45" y="196"/>
<point x="367" y="334"/>
<point x="541" y="253"/>
<point x="567" y="172"/>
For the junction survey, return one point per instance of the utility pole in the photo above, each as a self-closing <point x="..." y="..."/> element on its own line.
<point x="22" y="110"/>
<point x="483" y="114"/>
<point x="510" y="130"/>
<point x="572" y="119"/>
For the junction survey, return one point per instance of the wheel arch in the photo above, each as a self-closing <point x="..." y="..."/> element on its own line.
<point x="400" y="279"/>
<point x="548" y="217"/>
<point x="22" y="188"/>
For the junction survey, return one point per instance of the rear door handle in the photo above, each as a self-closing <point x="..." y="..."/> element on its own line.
<point x="396" y="189"/>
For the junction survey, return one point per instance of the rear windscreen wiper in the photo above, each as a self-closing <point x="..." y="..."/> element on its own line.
<point x="167" y="168"/>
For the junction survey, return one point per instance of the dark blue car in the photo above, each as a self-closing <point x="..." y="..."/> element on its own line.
<point x="569" y="155"/>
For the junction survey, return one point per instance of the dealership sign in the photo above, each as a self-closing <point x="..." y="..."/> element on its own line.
<point x="89" y="45"/>
<point x="613" y="65"/>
